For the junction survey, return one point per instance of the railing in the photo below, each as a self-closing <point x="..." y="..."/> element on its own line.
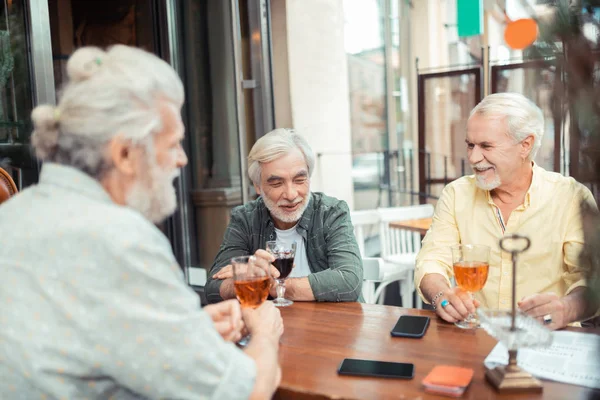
<point x="393" y="174"/>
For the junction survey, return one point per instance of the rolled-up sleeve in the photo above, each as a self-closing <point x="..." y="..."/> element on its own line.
<point x="583" y="209"/>
<point x="151" y="335"/>
<point x="343" y="280"/>
<point x="435" y="256"/>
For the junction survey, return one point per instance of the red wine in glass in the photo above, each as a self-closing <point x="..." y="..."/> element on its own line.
<point x="284" y="263"/>
<point x="284" y="266"/>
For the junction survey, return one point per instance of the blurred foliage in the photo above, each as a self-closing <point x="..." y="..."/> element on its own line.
<point x="576" y="99"/>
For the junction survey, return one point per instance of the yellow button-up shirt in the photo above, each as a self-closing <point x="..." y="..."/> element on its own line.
<point x="550" y="216"/>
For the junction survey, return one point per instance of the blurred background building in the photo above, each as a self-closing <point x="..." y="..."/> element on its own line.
<point x="381" y="89"/>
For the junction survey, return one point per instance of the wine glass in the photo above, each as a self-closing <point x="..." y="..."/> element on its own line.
<point x="284" y="262"/>
<point x="471" y="264"/>
<point x="251" y="284"/>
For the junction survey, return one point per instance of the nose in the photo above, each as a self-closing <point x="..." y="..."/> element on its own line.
<point x="290" y="192"/>
<point x="475" y="155"/>
<point x="182" y="159"/>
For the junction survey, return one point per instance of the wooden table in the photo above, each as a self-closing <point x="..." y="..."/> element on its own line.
<point x="415" y="225"/>
<point x="318" y="336"/>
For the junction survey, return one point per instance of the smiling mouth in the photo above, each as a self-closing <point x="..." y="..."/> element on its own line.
<point x="482" y="170"/>
<point x="291" y="207"/>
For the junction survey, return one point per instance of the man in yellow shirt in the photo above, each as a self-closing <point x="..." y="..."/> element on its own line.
<point x="509" y="194"/>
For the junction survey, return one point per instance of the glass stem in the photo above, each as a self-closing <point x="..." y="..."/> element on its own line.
<point x="280" y="288"/>
<point x="471" y="317"/>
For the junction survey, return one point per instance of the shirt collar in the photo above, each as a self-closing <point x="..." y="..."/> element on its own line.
<point x="535" y="179"/>
<point x="73" y="179"/>
<point x="307" y="214"/>
<point x="535" y="183"/>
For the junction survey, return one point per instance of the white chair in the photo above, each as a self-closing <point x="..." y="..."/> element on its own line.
<point x="399" y="250"/>
<point x="372" y="273"/>
<point x="364" y="221"/>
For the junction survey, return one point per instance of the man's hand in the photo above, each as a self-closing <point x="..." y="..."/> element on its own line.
<point x="266" y="327"/>
<point x="262" y="258"/>
<point x="264" y="320"/>
<point x="460" y="305"/>
<point x="539" y="305"/>
<point x="227" y="317"/>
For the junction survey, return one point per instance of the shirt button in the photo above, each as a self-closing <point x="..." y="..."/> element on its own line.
<point x="503" y="302"/>
<point x="505" y="273"/>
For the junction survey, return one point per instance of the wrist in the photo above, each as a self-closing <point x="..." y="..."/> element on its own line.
<point x="289" y="288"/>
<point x="264" y="335"/>
<point x="432" y="285"/>
<point x="226" y="290"/>
<point x="573" y="306"/>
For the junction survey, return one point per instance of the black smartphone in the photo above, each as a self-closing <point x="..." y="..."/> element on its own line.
<point x="412" y="326"/>
<point x="381" y="369"/>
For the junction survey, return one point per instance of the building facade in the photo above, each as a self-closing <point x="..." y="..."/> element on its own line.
<point x="248" y="67"/>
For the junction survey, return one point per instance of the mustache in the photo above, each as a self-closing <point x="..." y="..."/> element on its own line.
<point x="481" y="166"/>
<point x="175" y="174"/>
<point x="290" y="203"/>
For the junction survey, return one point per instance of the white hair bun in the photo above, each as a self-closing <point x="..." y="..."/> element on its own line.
<point x="84" y="63"/>
<point x="45" y="130"/>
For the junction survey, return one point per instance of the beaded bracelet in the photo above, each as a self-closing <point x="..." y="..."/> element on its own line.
<point x="437" y="296"/>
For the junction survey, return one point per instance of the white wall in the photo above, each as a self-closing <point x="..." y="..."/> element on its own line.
<point x="310" y="62"/>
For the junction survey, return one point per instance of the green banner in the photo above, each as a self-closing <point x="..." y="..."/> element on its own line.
<point x="469" y="17"/>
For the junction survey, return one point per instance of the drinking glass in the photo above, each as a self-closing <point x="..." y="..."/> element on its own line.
<point x="251" y="284"/>
<point x="471" y="264"/>
<point x="284" y="262"/>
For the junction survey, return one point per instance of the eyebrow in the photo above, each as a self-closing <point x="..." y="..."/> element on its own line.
<point x="467" y="141"/>
<point x="275" y="178"/>
<point x="301" y="174"/>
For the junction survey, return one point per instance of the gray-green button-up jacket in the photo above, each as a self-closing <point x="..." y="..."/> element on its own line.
<point x="333" y="256"/>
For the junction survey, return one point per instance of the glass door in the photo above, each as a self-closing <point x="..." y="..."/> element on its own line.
<point x="25" y="66"/>
<point x="445" y="100"/>
<point x="225" y="47"/>
<point x="537" y="80"/>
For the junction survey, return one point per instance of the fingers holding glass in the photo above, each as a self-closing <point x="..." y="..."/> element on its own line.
<point x="265" y="260"/>
<point x="251" y="282"/>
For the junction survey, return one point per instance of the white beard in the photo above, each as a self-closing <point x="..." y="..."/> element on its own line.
<point x="154" y="194"/>
<point x="484" y="184"/>
<point x="281" y="215"/>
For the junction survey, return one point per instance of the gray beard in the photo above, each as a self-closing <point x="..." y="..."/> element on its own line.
<point x="154" y="196"/>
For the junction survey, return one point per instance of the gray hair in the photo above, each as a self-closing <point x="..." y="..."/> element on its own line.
<point x="274" y="145"/>
<point x="523" y="117"/>
<point x="109" y="93"/>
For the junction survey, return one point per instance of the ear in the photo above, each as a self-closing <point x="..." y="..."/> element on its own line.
<point x="527" y="146"/>
<point x="124" y="156"/>
<point x="257" y="188"/>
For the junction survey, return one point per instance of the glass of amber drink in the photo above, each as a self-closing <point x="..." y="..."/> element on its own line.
<point x="251" y="282"/>
<point x="471" y="264"/>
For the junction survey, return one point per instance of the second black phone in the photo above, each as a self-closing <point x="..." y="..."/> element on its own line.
<point x="411" y="326"/>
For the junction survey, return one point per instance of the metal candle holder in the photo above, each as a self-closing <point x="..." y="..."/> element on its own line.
<point x="515" y="330"/>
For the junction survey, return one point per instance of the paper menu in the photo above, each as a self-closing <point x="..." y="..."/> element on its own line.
<point x="573" y="358"/>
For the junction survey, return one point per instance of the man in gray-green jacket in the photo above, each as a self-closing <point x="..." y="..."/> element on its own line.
<point x="328" y="265"/>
